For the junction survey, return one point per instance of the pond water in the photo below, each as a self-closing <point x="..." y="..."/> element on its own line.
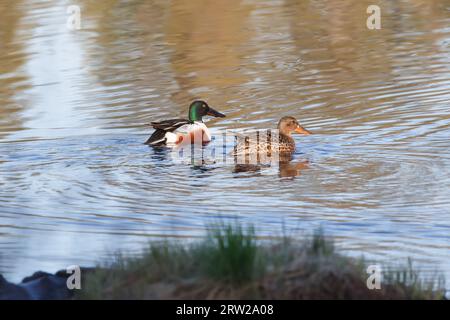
<point x="77" y="183"/>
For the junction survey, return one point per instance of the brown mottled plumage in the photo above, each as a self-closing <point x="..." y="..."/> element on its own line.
<point x="267" y="143"/>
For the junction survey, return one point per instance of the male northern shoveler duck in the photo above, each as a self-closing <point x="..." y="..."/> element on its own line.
<point x="176" y="131"/>
<point x="284" y="144"/>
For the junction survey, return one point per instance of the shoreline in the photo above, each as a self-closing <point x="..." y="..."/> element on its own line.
<point x="230" y="263"/>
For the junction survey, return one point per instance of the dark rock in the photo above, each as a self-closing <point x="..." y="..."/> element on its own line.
<point x="46" y="287"/>
<point x="36" y="275"/>
<point x="39" y="286"/>
<point x="9" y="291"/>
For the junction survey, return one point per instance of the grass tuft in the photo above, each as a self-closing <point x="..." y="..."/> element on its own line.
<point x="412" y="282"/>
<point x="231" y="253"/>
<point x="319" y="245"/>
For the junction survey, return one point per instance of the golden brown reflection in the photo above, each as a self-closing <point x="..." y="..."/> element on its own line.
<point x="206" y="38"/>
<point x="286" y="169"/>
<point x="255" y="61"/>
<point x="292" y="169"/>
<point x="12" y="57"/>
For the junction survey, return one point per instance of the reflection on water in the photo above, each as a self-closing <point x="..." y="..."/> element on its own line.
<point x="293" y="169"/>
<point x="286" y="169"/>
<point x="77" y="183"/>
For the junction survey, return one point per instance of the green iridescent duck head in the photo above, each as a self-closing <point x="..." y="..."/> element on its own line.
<point x="199" y="108"/>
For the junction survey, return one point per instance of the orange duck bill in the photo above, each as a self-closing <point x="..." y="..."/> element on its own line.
<point x="302" y="130"/>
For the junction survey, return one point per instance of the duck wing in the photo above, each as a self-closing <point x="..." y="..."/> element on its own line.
<point x="169" y="125"/>
<point x="162" y="127"/>
<point x="252" y="143"/>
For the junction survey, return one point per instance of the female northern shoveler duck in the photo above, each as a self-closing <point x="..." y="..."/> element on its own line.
<point x="270" y="143"/>
<point x="176" y="131"/>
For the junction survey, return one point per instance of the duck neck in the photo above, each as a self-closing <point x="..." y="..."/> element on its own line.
<point x="194" y="115"/>
<point x="286" y="138"/>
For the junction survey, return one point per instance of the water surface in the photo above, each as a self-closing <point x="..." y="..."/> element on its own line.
<point x="77" y="183"/>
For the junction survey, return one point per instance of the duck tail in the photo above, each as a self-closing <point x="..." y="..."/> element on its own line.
<point x="157" y="138"/>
